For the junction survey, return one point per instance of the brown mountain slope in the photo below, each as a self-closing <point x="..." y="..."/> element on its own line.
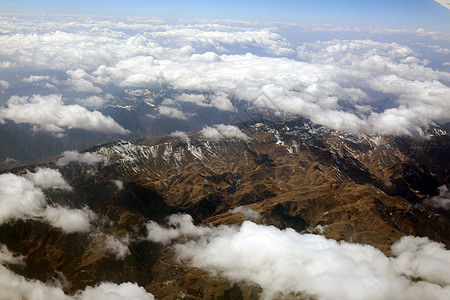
<point x="367" y="190"/>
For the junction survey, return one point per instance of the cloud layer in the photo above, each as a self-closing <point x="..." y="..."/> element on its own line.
<point x="49" y="113"/>
<point x="286" y="262"/>
<point x="360" y="85"/>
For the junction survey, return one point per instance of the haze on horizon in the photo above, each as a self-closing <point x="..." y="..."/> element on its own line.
<point x="402" y="14"/>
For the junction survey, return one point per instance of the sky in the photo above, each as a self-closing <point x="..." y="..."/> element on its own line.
<point x="408" y="14"/>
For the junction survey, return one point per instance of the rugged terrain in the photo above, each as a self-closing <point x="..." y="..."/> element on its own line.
<point x="367" y="189"/>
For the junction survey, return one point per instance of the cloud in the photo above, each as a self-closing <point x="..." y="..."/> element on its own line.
<point x="179" y="134"/>
<point x="7" y="257"/>
<point x="171" y="112"/>
<point x="197" y="99"/>
<point x="48" y="178"/>
<point x="50" y="114"/>
<point x="211" y="133"/>
<point x="92" y="101"/>
<point x="442" y="200"/>
<point x="221" y="131"/>
<point x="69" y="219"/>
<point x="246" y="211"/>
<point x="209" y="64"/>
<point x="180" y="225"/>
<point x="36" y="78"/>
<point x="118" y="246"/>
<point x="14" y="286"/>
<point x="221" y="102"/>
<point x="107" y="291"/>
<point x="78" y="80"/>
<point x="4" y="85"/>
<point x="74" y="156"/>
<point x="308" y="264"/>
<point x="21" y="198"/>
<point x="118" y="184"/>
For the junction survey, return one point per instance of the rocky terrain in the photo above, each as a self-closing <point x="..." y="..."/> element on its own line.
<point x="291" y="174"/>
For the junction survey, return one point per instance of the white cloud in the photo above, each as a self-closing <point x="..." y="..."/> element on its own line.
<point x="92" y="101"/>
<point x="48" y="178"/>
<point x="180" y="225"/>
<point x="4" y="85"/>
<point x="14" y="286"/>
<point x="118" y="246"/>
<point x="307" y="264"/>
<point x="421" y="258"/>
<point x="197" y="99"/>
<point x="209" y="64"/>
<point x="108" y="291"/>
<point x="78" y="80"/>
<point x="179" y="134"/>
<point x="220" y="101"/>
<point x="20" y="198"/>
<point x="50" y="114"/>
<point x="442" y="200"/>
<point x="7" y="257"/>
<point x="118" y="184"/>
<point x="36" y="78"/>
<point x="86" y="158"/>
<point x="69" y="219"/>
<point x="221" y="131"/>
<point x="211" y="133"/>
<point x="171" y="112"/>
<point x="246" y="211"/>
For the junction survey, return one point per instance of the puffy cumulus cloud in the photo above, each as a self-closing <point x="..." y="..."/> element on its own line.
<point x="14" y="286"/>
<point x="422" y="258"/>
<point x="94" y="101"/>
<point x="442" y="200"/>
<point x="48" y="178"/>
<point x="4" y="85"/>
<point x="179" y="225"/>
<point x="222" y="131"/>
<point x="197" y="99"/>
<point x="311" y="265"/>
<point x="75" y="156"/>
<point x="246" y="211"/>
<point x="211" y="133"/>
<point x="78" y="82"/>
<point x="219" y="100"/>
<point x="179" y="134"/>
<point x="107" y="291"/>
<point x="50" y="114"/>
<point x="118" y="246"/>
<point x="171" y="112"/>
<point x="69" y="219"/>
<point x="21" y="198"/>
